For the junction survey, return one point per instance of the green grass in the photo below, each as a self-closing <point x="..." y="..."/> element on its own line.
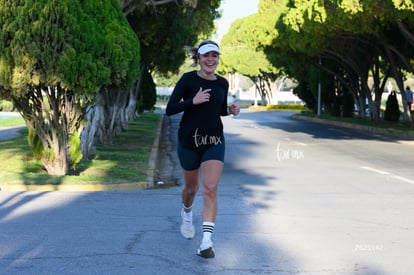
<point x="11" y="121"/>
<point x="126" y="161"/>
<point x="400" y="125"/>
<point x="278" y="107"/>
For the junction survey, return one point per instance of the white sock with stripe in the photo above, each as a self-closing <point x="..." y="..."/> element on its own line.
<point x="208" y="228"/>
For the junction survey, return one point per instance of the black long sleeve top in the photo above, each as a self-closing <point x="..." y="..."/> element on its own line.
<point x="205" y="115"/>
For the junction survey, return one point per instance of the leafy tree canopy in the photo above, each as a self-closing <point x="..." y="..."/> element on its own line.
<point x="55" y="54"/>
<point x="78" y="46"/>
<point x="164" y="31"/>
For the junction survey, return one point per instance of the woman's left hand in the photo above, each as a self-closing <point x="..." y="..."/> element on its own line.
<point x="234" y="110"/>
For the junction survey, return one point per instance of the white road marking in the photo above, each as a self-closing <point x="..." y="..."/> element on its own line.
<point x="403" y="179"/>
<point x="382" y="172"/>
<point x="375" y="170"/>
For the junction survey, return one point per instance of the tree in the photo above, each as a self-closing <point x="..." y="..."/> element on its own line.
<point x="130" y="6"/>
<point x="354" y="39"/>
<point x="105" y="114"/>
<point x="242" y="50"/>
<point x="162" y="37"/>
<point x="54" y="57"/>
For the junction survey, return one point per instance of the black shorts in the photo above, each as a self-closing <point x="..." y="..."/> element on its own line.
<point x="191" y="159"/>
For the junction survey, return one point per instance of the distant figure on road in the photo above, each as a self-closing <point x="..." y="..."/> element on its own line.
<point x="409" y="97"/>
<point x="202" y="96"/>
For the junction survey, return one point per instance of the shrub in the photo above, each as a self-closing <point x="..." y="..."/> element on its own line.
<point x="392" y="110"/>
<point x="298" y="107"/>
<point x="6" y="106"/>
<point x="147" y="96"/>
<point x="348" y="107"/>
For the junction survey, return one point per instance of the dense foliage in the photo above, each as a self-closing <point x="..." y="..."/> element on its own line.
<point x="349" y="48"/>
<point x="242" y="49"/>
<point x="75" y="69"/>
<point x="352" y="41"/>
<point x="54" y="56"/>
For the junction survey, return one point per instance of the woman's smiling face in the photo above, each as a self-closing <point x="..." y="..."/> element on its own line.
<point x="209" y="61"/>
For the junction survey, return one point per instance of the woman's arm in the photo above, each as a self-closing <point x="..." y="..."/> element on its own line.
<point x="176" y="104"/>
<point x="224" y="108"/>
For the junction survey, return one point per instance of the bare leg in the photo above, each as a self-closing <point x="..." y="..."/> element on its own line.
<point x="188" y="194"/>
<point x="210" y="173"/>
<point x="190" y="188"/>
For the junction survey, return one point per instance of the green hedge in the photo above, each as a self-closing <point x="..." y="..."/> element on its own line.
<point x="6" y="106"/>
<point x="298" y="107"/>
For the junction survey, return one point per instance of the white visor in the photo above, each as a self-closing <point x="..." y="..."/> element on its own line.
<point x="208" y="48"/>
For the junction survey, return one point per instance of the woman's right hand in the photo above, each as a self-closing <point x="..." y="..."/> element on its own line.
<point x="201" y="96"/>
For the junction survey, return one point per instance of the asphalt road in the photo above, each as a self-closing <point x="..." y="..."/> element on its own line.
<point x="9" y="132"/>
<point x="295" y="198"/>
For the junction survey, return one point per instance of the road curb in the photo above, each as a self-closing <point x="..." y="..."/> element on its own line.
<point x="72" y="187"/>
<point x="151" y="172"/>
<point x="403" y="135"/>
<point x="152" y="163"/>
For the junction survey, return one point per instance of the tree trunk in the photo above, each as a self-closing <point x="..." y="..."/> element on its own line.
<point x="398" y="76"/>
<point x="406" y="111"/>
<point x="131" y="109"/>
<point x="130" y="113"/>
<point x="104" y="119"/>
<point x="53" y="115"/>
<point x="405" y="31"/>
<point x="59" y="165"/>
<point x="94" y="116"/>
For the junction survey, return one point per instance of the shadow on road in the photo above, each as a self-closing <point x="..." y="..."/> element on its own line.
<point x="137" y="232"/>
<point x="285" y="122"/>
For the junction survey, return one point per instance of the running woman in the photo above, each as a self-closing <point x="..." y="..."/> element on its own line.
<point x="202" y="97"/>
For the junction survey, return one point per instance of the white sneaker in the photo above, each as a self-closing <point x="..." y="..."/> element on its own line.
<point x="187" y="227"/>
<point x="206" y="250"/>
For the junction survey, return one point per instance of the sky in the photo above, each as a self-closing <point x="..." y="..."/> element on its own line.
<point x="232" y="10"/>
